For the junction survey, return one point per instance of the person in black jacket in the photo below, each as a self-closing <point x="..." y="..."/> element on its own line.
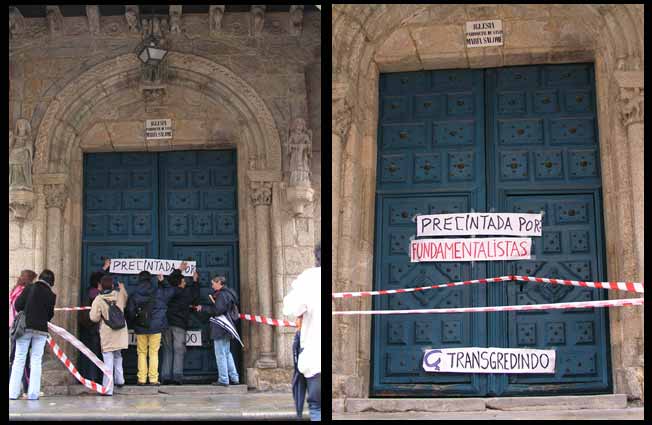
<point x="38" y="302"/>
<point x="89" y="332"/>
<point x="222" y="301"/>
<point x="173" y="341"/>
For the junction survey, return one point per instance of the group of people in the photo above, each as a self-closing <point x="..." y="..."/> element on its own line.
<point x="159" y="314"/>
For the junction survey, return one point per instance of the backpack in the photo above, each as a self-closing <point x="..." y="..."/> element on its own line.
<point x="143" y="316"/>
<point x="234" y="313"/>
<point x="116" y="319"/>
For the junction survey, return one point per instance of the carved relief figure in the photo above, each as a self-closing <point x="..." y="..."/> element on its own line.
<point x="296" y="20"/>
<point x="93" y="14"/>
<point x="258" y="13"/>
<point x="147" y="28"/>
<point x="20" y="156"/>
<point x="216" y="15"/>
<point x="132" y="20"/>
<point x="54" y="19"/>
<point x="175" y="21"/>
<point x="156" y="28"/>
<point x="299" y="148"/>
<point x="15" y="21"/>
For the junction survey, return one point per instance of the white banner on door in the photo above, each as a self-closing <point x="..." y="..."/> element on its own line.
<point x="506" y="224"/>
<point x="193" y="338"/>
<point x="152" y="265"/>
<point x="489" y="360"/>
<point x="481" y="249"/>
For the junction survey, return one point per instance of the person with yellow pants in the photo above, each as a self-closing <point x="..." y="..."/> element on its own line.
<point x="147" y="311"/>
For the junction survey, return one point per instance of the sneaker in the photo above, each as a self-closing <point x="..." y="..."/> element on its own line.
<point x="154" y="384"/>
<point x="219" y="384"/>
<point x="234" y="382"/>
<point x="119" y="385"/>
<point x="141" y="384"/>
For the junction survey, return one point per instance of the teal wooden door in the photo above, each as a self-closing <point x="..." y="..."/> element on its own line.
<point x="173" y="205"/>
<point x="507" y="140"/>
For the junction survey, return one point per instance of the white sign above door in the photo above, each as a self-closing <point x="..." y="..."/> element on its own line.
<point x="484" y="33"/>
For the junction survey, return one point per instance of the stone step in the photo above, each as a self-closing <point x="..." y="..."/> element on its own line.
<point x="606" y="401"/>
<point x="202" y="389"/>
<point x="76" y="390"/>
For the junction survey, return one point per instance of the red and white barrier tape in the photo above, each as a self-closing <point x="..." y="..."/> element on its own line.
<point x="423" y="288"/>
<point x="623" y="286"/>
<point x="58" y="352"/>
<point x="558" y="306"/>
<point x="268" y="321"/>
<point x="259" y="319"/>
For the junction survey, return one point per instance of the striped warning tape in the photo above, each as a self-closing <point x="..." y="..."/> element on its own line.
<point x="266" y="320"/>
<point x="259" y="319"/>
<point x="58" y="352"/>
<point x="423" y="288"/>
<point x="623" y="286"/>
<point x="558" y="306"/>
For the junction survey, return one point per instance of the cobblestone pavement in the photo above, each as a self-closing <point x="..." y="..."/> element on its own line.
<point x="128" y="407"/>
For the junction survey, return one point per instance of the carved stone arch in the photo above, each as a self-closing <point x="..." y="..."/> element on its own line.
<point x="70" y="109"/>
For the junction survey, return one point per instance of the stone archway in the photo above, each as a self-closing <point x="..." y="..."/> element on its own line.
<point x="58" y="175"/>
<point x="369" y="39"/>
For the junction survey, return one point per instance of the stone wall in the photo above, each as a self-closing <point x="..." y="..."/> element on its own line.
<point x="238" y="88"/>
<point x="369" y="39"/>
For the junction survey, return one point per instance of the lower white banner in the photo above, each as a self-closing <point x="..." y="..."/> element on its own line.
<point x="489" y="360"/>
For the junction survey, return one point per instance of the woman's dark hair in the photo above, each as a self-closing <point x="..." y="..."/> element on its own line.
<point x="318" y="255"/>
<point x="95" y="279"/>
<point x="26" y="277"/>
<point x="47" y="276"/>
<point x="107" y="283"/>
<point x="144" y="275"/>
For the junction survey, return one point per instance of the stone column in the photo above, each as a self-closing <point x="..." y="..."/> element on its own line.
<point x="55" y="201"/>
<point x="261" y="197"/>
<point x="630" y="104"/>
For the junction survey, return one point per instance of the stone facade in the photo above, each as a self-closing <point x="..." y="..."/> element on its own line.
<point x="237" y="81"/>
<point x="369" y="39"/>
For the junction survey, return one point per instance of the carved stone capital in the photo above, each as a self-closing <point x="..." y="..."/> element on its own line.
<point x="20" y="203"/>
<point x="55" y="195"/>
<point x="261" y="193"/>
<point x="631" y="104"/>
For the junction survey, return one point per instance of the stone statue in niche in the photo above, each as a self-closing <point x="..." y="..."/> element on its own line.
<point x="165" y="28"/>
<point x="156" y="28"/>
<point x="21" y="153"/>
<point x="132" y="20"/>
<point x="299" y="148"/>
<point x="216" y="15"/>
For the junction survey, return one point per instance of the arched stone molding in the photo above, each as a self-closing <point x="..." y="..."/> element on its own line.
<point x="67" y="111"/>
<point x="369" y="39"/>
<point x="80" y="105"/>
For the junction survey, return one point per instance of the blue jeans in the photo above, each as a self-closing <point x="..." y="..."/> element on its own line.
<point x="22" y="345"/>
<point x="173" y="342"/>
<point x="225" y="365"/>
<point x="113" y="362"/>
<point x="314" y="397"/>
